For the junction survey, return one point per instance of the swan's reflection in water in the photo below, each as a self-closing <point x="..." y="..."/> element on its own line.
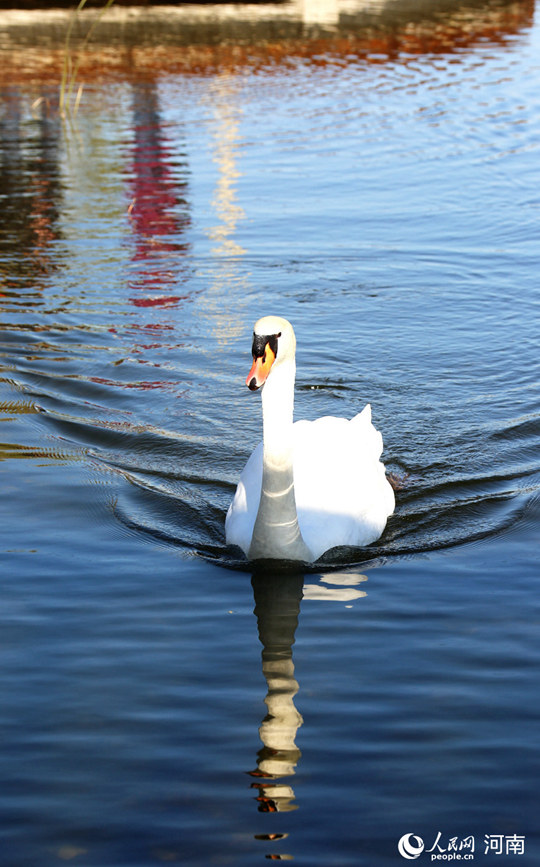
<point x="343" y="587"/>
<point x="277" y="608"/>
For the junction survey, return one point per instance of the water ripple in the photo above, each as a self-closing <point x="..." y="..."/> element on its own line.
<point x="125" y="332"/>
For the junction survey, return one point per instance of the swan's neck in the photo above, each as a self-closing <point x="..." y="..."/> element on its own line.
<point x="276" y="534"/>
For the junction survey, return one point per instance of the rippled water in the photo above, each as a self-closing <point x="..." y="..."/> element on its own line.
<point x="379" y="186"/>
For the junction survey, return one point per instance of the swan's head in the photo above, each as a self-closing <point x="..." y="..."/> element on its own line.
<point x="273" y="344"/>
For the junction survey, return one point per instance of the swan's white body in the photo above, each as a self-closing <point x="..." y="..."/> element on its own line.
<point x="309" y="486"/>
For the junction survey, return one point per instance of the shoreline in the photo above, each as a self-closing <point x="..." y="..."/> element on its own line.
<point x="137" y="41"/>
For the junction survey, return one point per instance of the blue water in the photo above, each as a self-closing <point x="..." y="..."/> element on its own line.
<point x="160" y="703"/>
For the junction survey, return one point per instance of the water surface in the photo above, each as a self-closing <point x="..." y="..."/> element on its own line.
<point x="375" y="180"/>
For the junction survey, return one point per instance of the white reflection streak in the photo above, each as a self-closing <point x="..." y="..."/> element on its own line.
<point x="342" y="591"/>
<point x="227" y="113"/>
<point x="228" y="286"/>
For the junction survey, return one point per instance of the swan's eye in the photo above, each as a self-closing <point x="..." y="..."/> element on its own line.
<point x="261" y="341"/>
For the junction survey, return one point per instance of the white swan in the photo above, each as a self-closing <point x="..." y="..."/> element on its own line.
<point x="309" y="486"/>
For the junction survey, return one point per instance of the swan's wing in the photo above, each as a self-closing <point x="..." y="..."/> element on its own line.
<point x="342" y="494"/>
<point x="243" y="510"/>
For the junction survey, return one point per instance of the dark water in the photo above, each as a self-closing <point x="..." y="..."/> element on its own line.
<point x="381" y="190"/>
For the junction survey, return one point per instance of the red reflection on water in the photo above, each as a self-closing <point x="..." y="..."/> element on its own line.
<point x="158" y="210"/>
<point x="140" y="384"/>
<point x="159" y="301"/>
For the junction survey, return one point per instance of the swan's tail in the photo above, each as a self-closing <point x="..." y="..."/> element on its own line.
<point x="370" y="438"/>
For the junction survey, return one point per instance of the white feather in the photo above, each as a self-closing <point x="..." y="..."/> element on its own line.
<point x="341" y="491"/>
<point x="342" y="495"/>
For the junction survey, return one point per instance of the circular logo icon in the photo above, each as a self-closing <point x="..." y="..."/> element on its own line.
<point x="410" y="846"/>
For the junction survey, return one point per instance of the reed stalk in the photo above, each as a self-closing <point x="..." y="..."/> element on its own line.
<point x="70" y="68"/>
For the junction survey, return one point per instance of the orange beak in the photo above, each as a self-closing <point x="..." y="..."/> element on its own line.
<point x="260" y="369"/>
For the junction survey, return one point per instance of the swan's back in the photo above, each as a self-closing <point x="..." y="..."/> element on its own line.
<point x="342" y="495"/>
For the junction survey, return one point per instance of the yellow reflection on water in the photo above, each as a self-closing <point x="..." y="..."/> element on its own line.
<point x="229" y="284"/>
<point x="9" y="451"/>
<point x="224" y="93"/>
